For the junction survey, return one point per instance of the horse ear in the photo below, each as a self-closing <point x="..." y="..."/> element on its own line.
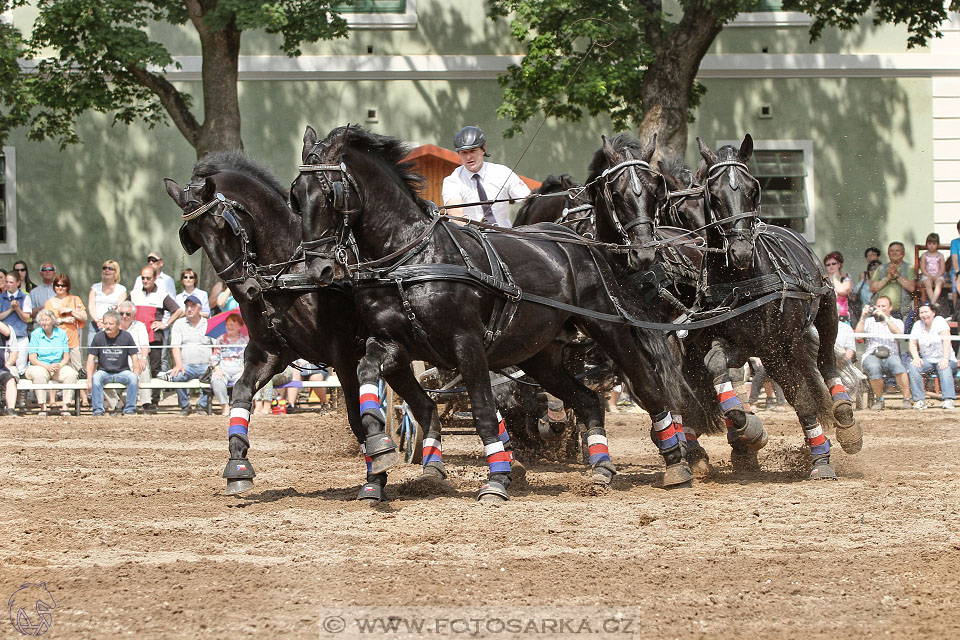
<point x="608" y="150"/>
<point x="706" y="153"/>
<point x="746" y="148"/>
<point x="209" y="190"/>
<point x="309" y="139"/>
<point x="701" y="174"/>
<point x="173" y="190"/>
<point x="648" y="150"/>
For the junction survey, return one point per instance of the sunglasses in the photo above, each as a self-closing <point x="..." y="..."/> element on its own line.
<point x="831" y="264"/>
<point x="47" y="269"/>
<point x="189" y="278"/>
<point x="126" y="313"/>
<point x="59" y="285"/>
<point x="107" y="267"/>
<point x="21" y="269"/>
<point x="152" y="259"/>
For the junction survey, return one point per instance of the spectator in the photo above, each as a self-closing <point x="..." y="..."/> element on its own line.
<point x="166" y="284"/>
<point x="933" y="267"/>
<point x="7" y="380"/>
<point x="126" y="310"/>
<point x="191" y="353"/>
<point x="895" y="280"/>
<point x="72" y="314"/>
<point x="215" y="291"/>
<point x="847" y="341"/>
<point x="189" y="281"/>
<point x="111" y="354"/>
<point x="861" y="296"/>
<point x="882" y="353"/>
<point x="311" y="372"/>
<point x="227" y="360"/>
<point x="15" y="311"/>
<point x="43" y="291"/>
<point x="955" y="269"/>
<point x="105" y="295"/>
<point x="930" y="352"/>
<point x="870" y="254"/>
<point x="226" y="301"/>
<point x="842" y="284"/>
<point x="26" y="284"/>
<point x="50" y="356"/>
<point x="151" y="303"/>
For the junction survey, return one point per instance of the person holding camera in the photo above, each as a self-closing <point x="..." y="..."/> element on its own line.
<point x="882" y="353"/>
<point x="931" y="352"/>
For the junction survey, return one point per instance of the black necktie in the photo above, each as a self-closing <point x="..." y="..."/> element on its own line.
<point x="487" y="209"/>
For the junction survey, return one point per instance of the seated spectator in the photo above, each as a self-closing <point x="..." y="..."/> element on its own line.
<point x="847" y="342"/>
<point x="15" y="311"/>
<point x="49" y="353"/>
<point x="190" y="346"/>
<point x="8" y="381"/>
<point x="932" y="269"/>
<point x="227" y="360"/>
<point x="152" y="303"/>
<point x="43" y="291"/>
<point x="189" y="281"/>
<point x="311" y="372"/>
<point x="930" y="352"/>
<point x="842" y="284"/>
<point x="111" y="355"/>
<point x="882" y="353"/>
<point x="72" y="314"/>
<point x="126" y="310"/>
<point x="104" y="295"/>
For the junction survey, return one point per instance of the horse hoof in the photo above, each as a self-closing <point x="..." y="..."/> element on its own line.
<point x="822" y="470"/>
<point x="372" y="492"/>
<point x="518" y="472"/>
<point x="678" y="476"/>
<point x="384" y="461"/>
<point x="546" y="431"/>
<point x="236" y="486"/>
<point x="493" y="492"/>
<point x="850" y="437"/>
<point x="754" y="435"/>
<point x="435" y="470"/>
<point x="699" y="461"/>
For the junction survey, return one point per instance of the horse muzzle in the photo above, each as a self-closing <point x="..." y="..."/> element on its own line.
<point x="322" y="271"/>
<point x="250" y="289"/>
<point x="740" y="254"/>
<point x="641" y="259"/>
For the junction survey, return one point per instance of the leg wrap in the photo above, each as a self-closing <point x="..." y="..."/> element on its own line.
<point x="678" y="425"/>
<point x="818" y="442"/>
<point x="432" y="450"/>
<point x="503" y="435"/>
<point x="366" y="458"/>
<point x="377" y="444"/>
<point x="664" y="432"/>
<point x="837" y="390"/>
<point x="597" y="446"/>
<point x="370" y="402"/>
<point x="497" y="458"/>
<point x="239" y="423"/>
<point x="726" y="396"/>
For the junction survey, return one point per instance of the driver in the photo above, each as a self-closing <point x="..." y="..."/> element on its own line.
<point x="475" y="180"/>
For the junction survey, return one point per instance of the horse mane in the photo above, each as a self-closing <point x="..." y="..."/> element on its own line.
<point x="391" y="151"/>
<point x="678" y="169"/>
<point x="550" y="184"/>
<point x="239" y="162"/>
<point x="621" y="142"/>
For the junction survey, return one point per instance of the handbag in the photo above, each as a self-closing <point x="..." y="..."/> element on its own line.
<point x="882" y="352"/>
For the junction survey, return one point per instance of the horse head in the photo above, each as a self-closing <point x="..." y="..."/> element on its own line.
<point x="684" y="207"/>
<point x="626" y="193"/>
<point x="733" y="199"/>
<point x="211" y="222"/>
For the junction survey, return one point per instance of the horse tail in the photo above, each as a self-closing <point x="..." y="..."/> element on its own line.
<point x="655" y="345"/>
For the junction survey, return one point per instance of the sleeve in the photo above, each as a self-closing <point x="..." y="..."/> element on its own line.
<point x="450" y="188"/>
<point x="176" y="336"/>
<point x="170" y="285"/>
<point x="79" y="306"/>
<point x="99" y="340"/>
<point x="899" y="324"/>
<point x="878" y="274"/>
<point x="205" y="301"/>
<point x="518" y="188"/>
<point x="170" y="304"/>
<point x="955" y="247"/>
<point x="26" y="305"/>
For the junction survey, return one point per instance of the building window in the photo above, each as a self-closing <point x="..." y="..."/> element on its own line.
<point x="770" y="13"/>
<point x="379" y="14"/>
<point x="8" y="200"/>
<point x="784" y="169"/>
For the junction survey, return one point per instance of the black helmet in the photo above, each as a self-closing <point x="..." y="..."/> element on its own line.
<point x="469" y="137"/>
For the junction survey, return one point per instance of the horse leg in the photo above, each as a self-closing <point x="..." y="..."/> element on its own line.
<point x="797" y="389"/>
<point x="745" y="432"/>
<point x="377" y="445"/>
<point x="694" y="417"/>
<point x="260" y="365"/>
<point x="424" y="409"/>
<point x="472" y="363"/>
<point x="849" y="432"/>
<point x="649" y="389"/>
<point x="547" y="368"/>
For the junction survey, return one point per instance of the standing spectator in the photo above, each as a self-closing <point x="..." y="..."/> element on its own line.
<point x="227" y="360"/>
<point x="847" y="341"/>
<point x="215" y="291"/>
<point x="15" y="311"/>
<point x="189" y="281"/>
<point x="166" y="284"/>
<point x="882" y="353"/>
<point x="861" y="296"/>
<point x="477" y="181"/>
<point x="933" y="267"/>
<point x="104" y="295"/>
<point x="152" y="303"/>
<point x="190" y="346"/>
<point x="72" y="314"/>
<point x="110" y="357"/>
<point x="870" y="254"/>
<point x="126" y="310"/>
<point x="50" y="356"/>
<point x="7" y="380"/>
<point x="43" y="291"/>
<point x="930" y="351"/>
<point x="895" y="280"/>
<point x="955" y="270"/>
<point x="26" y="284"/>
<point x="842" y="284"/>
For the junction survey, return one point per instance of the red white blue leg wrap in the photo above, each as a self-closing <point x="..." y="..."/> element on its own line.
<point x="502" y="434"/>
<point x="597" y="447"/>
<point x="678" y="425"/>
<point x="665" y="432"/>
<point x="497" y="459"/>
<point x="432" y="451"/>
<point x="727" y="397"/>
<point x="366" y="458"/>
<point x="837" y="390"/>
<point x="239" y="423"/>
<point x="370" y="400"/>
<point x="819" y="443"/>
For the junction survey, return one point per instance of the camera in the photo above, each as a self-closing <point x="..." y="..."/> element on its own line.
<point x="877" y="314"/>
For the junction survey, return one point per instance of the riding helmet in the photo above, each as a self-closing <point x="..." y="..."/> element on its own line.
<point x="470" y="137"/>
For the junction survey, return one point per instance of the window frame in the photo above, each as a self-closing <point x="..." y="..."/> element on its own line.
<point x="406" y="20"/>
<point x="809" y="182"/>
<point x="10" y="197"/>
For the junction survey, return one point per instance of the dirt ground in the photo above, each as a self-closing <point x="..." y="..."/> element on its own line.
<point x="125" y="521"/>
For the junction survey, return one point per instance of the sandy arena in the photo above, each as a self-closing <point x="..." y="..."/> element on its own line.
<point x="125" y="521"/>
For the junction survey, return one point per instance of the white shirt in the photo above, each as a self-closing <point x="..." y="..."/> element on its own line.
<point x="498" y="182"/>
<point x="881" y="329"/>
<point x="138" y="331"/>
<point x="930" y="342"/>
<point x="845" y="336"/>
<point x="104" y="302"/>
<point x="165" y="283"/>
<point x="195" y="344"/>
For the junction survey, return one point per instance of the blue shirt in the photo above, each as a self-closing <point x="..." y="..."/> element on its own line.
<point x="49" y="350"/>
<point x="13" y="320"/>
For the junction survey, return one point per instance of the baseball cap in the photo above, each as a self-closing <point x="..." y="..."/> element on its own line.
<point x="193" y="299"/>
<point x="155" y="254"/>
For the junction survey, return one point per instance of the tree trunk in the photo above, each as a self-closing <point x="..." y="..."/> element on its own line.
<point x="668" y="82"/>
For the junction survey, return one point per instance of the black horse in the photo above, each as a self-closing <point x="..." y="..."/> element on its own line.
<point x="237" y="212"/>
<point x="772" y="272"/>
<point x="573" y="209"/>
<point x="458" y="298"/>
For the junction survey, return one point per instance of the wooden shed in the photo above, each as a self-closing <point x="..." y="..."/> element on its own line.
<point x="436" y="163"/>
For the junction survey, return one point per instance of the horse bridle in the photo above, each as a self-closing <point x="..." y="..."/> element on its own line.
<point x="613" y="173"/>
<point x="729" y="227"/>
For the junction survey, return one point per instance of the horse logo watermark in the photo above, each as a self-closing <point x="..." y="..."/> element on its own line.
<point x="31" y="609"/>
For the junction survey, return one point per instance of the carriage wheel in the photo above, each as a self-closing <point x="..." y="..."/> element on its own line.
<point x="411" y="438"/>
